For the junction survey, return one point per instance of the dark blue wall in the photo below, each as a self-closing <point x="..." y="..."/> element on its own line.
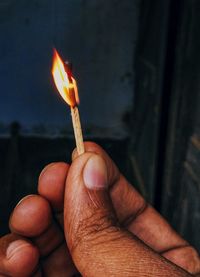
<point x="97" y="36"/>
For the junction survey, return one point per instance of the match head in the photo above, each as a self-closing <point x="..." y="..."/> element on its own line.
<point x="69" y="65"/>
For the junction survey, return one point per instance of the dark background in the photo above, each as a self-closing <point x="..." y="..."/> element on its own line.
<point x="137" y="64"/>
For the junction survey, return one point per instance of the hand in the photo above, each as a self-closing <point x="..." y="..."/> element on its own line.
<point x="110" y="230"/>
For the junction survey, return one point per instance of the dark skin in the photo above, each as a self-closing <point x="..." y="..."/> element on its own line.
<point x="88" y="219"/>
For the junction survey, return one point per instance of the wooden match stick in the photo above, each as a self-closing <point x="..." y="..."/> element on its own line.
<point x="77" y="130"/>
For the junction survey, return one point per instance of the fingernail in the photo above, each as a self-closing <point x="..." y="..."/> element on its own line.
<point x="74" y="154"/>
<point x="95" y="173"/>
<point x="14" y="247"/>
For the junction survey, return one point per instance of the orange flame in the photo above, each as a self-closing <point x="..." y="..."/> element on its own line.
<point x="64" y="81"/>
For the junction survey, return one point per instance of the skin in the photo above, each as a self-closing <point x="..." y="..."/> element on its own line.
<point x="106" y="231"/>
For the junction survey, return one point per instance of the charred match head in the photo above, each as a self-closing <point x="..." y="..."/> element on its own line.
<point x="69" y="68"/>
<point x="69" y="65"/>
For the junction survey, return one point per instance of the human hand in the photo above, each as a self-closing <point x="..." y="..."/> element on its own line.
<point x="110" y="230"/>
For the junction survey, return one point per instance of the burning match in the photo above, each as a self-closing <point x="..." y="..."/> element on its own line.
<point x="67" y="87"/>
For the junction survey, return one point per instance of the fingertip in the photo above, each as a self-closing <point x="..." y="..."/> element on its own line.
<point x="51" y="184"/>
<point x="21" y="258"/>
<point x="18" y="256"/>
<point x="31" y="216"/>
<point x="19" y="247"/>
<point x="93" y="148"/>
<point x="47" y="167"/>
<point x="89" y="147"/>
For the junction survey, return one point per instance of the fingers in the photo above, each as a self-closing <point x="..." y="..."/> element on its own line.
<point x="18" y="257"/>
<point x="186" y="256"/>
<point x="33" y="218"/>
<point x="51" y="184"/>
<point x="98" y="245"/>
<point x="59" y="263"/>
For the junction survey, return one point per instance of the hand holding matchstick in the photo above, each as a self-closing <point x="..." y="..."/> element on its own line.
<point x="67" y="88"/>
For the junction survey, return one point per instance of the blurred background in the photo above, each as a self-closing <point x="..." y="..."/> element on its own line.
<point x="137" y="65"/>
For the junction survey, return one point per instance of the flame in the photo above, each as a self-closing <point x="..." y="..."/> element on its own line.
<point x="64" y="81"/>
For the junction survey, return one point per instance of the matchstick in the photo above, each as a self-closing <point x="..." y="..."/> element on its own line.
<point x="77" y="130"/>
<point x="67" y="88"/>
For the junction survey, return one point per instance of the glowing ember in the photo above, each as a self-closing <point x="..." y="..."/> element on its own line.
<point x="64" y="81"/>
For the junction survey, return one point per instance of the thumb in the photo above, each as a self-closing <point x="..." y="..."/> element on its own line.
<point x="99" y="247"/>
<point x="89" y="216"/>
<point x="88" y="207"/>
